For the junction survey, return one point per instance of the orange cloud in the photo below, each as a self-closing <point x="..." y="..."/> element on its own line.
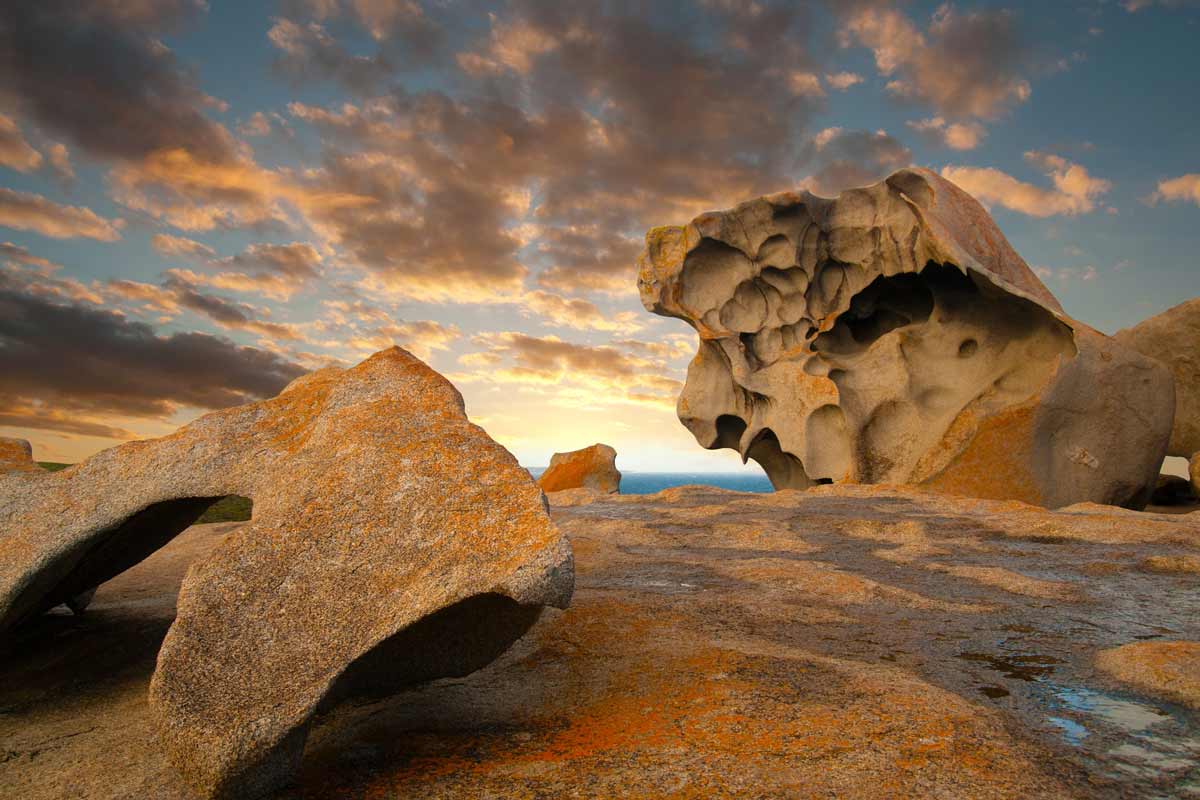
<point x="32" y="212"/>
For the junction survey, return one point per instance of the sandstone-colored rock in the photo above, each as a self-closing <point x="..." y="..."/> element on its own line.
<point x="1194" y="473"/>
<point x="16" y="455"/>
<point x="719" y="645"/>
<point x="892" y="335"/>
<point x="1173" y="338"/>
<point x="592" y="467"/>
<point x="392" y="542"/>
<point x="1184" y="564"/>
<point x="1166" y="669"/>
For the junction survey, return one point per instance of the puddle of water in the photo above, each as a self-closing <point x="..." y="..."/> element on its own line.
<point x="1072" y="731"/>
<point x="1124" y="714"/>
<point x="1137" y="739"/>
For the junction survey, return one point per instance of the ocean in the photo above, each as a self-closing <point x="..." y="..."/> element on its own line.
<point x="651" y="482"/>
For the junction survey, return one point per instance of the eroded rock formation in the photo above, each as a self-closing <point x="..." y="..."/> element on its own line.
<point x="892" y="335"/>
<point x="1173" y="337"/>
<point x="592" y="468"/>
<point x="392" y="542"/>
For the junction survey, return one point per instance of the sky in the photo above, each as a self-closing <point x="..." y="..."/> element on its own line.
<point x="200" y="202"/>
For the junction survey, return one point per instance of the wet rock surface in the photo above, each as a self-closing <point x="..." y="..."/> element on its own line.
<point x="891" y="335"/>
<point x="846" y="642"/>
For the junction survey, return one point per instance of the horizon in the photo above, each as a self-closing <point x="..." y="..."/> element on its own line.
<point x="291" y="185"/>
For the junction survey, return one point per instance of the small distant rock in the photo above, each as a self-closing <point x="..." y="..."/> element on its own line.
<point x="16" y="455"/>
<point x="392" y="542"/>
<point x="592" y="467"/>
<point x="1165" y="669"/>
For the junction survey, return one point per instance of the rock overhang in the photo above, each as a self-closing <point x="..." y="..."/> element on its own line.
<point x="871" y="337"/>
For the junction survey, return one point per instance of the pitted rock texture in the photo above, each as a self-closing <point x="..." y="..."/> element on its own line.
<point x="16" y="455"/>
<point x="892" y="335"/>
<point x="592" y="468"/>
<point x="1173" y="337"/>
<point x="392" y="542"/>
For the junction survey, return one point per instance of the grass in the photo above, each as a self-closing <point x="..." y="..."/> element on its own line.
<point x="233" y="508"/>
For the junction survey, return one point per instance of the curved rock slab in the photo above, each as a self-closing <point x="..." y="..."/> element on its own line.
<point x="592" y="467"/>
<point x="1173" y="337"/>
<point x="392" y="542"/>
<point x="892" y="335"/>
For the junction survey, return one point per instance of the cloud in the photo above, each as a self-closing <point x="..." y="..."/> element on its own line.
<point x="841" y="81"/>
<point x="276" y="271"/>
<point x="16" y="254"/>
<point x="32" y="212"/>
<point x="15" y="152"/>
<point x="1075" y="190"/>
<point x="180" y="291"/>
<point x="610" y="374"/>
<point x="955" y="135"/>
<point x="172" y="246"/>
<point x="74" y="68"/>
<point x="1184" y="188"/>
<point x="565" y="154"/>
<point x="967" y="63"/>
<point x="298" y="260"/>
<point x="578" y="313"/>
<point x="308" y="52"/>
<point x="39" y="277"/>
<point x="420" y="337"/>
<point x="1066" y="275"/>
<point x="59" y="157"/>
<point x="805" y="84"/>
<point x="842" y="159"/>
<point x="1133" y="6"/>
<point x="62" y="361"/>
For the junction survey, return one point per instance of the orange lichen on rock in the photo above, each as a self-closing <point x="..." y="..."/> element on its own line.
<point x="16" y="455"/>
<point x="1165" y="669"/>
<point x="380" y="555"/>
<point x="593" y="467"/>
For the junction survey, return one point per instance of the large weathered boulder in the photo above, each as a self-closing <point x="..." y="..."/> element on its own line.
<point x="1173" y="337"/>
<point x="592" y="467"/>
<point x="392" y="542"/>
<point x="892" y="335"/>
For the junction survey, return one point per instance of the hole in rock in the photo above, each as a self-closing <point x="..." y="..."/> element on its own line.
<point x="967" y="348"/>
<point x="729" y="432"/>
<point x="109" y="553"/>
<point x="784" y="469"/>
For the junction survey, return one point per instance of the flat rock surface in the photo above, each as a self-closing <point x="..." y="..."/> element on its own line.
<point x="850" y="642"/>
